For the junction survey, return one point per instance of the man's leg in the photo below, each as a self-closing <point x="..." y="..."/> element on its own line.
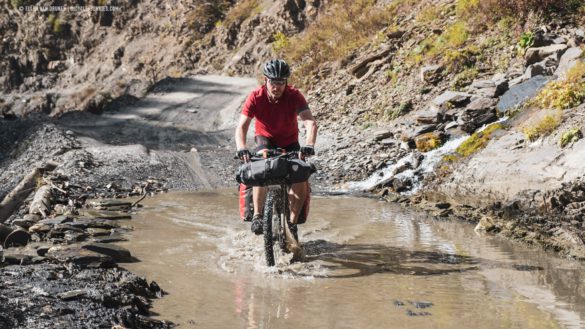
<point x="296" y="198"/>
<point x="259" y="198"/>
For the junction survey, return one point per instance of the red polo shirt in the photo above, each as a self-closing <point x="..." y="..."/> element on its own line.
<point x="276" y="121"/>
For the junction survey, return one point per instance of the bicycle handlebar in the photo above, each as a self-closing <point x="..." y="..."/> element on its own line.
<point x="273" y="153"/>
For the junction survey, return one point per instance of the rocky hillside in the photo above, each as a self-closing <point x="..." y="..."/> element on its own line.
<point x="467" y="104"/>
<point x="61" y="56"/>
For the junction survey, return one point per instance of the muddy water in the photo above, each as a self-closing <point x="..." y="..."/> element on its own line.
<point x="368" y="265"/>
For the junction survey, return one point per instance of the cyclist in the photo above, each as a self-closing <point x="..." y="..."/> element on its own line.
<point x="275" y="105"/>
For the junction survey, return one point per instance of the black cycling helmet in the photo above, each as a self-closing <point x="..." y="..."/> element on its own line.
<point x="276" y="69"/>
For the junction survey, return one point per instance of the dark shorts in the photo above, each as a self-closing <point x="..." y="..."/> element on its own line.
<point x="265" y="143"/>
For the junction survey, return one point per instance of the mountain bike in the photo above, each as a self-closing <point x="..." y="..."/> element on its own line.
<point x="280" y="236"/>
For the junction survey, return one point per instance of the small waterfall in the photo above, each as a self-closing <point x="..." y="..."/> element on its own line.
<point x="411" y="168"/>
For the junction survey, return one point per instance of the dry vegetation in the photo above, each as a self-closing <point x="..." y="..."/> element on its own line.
<point x="347" y="25"/>
<point x="565" y="93"/>
<point x="542" y="126"/>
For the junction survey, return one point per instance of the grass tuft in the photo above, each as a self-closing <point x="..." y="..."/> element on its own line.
<point x="478" y="140"/>
<point x="570" y="136"/>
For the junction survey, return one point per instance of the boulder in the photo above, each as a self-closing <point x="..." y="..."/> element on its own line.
<point x="535" y="55"/>
<point x="568" y="60"/>
<point x="540" y="38"/>
<point x="544" y="67"/>
<point x="490" y="88"/>
<point x="118" y="254"/>
<point x="431" y="74"/>
<point x="18" y="237"/>
<point x="478" y="113"/>
<point x="113" y="215"/>
<point x="73" y="294"/>
<point x="431" y="116"/>
<point x="381" y="134"/>
<point x="424" y="130"/>
<point x="520" y="93"/>
<point x="452" y="99"/>
<point x="401" y="184"/>
<point x="79" y="256"/>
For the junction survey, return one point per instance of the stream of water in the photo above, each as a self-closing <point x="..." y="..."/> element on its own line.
<point x="368" y="264"/>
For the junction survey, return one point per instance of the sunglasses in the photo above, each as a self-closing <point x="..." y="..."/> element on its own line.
<point x="277" y="82"/>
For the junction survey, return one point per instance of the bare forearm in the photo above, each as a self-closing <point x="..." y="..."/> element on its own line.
<point x="240" y="138"/>
<point x="242" y="131"/>
<point x="311" y="127"/>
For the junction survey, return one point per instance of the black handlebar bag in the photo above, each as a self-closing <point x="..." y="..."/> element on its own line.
<point x="299" y="171"/>
<point x="263" y="172"/>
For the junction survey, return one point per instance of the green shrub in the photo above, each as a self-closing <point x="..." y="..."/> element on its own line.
<point x="392" y="75"/>
<point x="526" y="40"/>
<point x="447" y="49"/>
<point x="280" y="42"/>
<point x="570" y="136"/>
<point x="450" y="158"/>
<point x="478" y="140"/>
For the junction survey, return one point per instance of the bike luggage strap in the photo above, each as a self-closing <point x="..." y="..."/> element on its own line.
<point x="266" y="168"/>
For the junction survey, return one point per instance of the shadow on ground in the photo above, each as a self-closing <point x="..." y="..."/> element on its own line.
<point x="356" y="260"/>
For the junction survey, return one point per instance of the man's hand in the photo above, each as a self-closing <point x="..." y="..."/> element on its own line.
<point x="244" y="155"/>
<point x="307" y="150"/>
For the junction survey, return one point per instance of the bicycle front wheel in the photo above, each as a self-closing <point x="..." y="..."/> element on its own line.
<point x="267" y="227"/>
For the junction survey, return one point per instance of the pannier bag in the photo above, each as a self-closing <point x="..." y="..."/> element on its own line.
<point x="263" y="172"/>
<point x="246" y="203"/>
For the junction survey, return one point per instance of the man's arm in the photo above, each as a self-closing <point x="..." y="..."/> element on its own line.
<point x="311" y="126"/>
<point x="242" y="131"/>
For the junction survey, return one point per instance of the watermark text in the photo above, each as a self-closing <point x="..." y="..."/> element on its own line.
<point x="68" y="8"/>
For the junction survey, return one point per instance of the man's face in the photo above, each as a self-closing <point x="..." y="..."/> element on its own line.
<point x="275" y="87"/>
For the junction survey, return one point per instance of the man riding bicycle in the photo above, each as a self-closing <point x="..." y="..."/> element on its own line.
<point x="275" y="105"/>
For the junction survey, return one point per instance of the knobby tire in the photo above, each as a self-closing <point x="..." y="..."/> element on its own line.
<point x="267" y="228"/>
<point x="275" y="213"/>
